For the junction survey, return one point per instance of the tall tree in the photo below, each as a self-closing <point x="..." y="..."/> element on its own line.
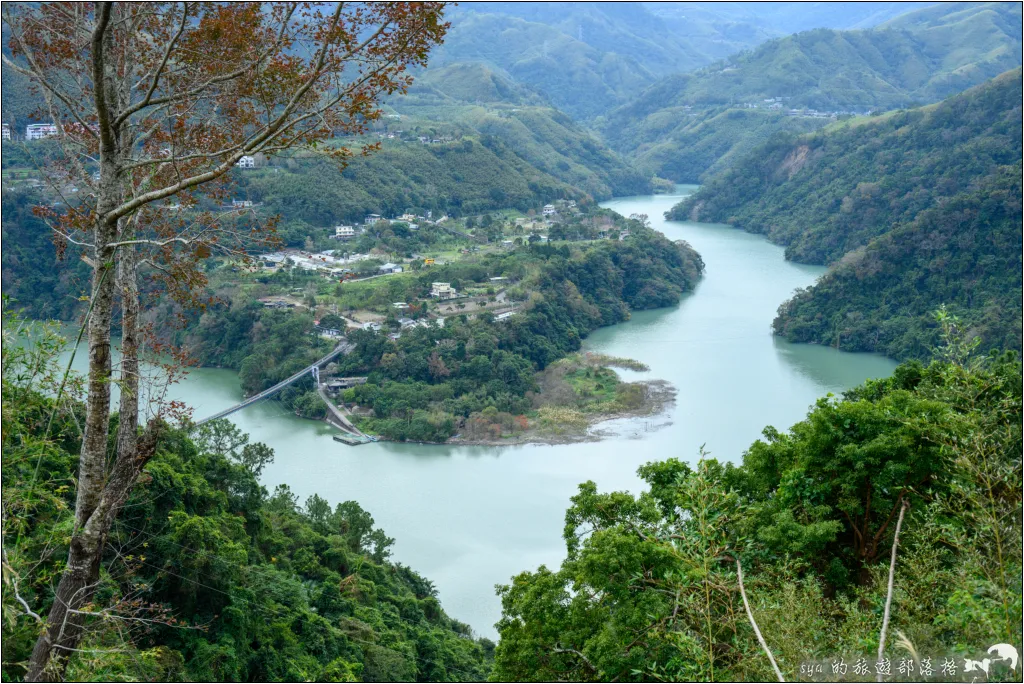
<point x="154" y="104"/>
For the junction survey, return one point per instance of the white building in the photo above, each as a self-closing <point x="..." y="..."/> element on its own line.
<point x="504" y="316"/>
<point x="371" y="219"/>
<point x="442" y="290"/>
<point x="246" y="162"/>
<point x="344" y="232"/>
<point x="241" y="204"/>
<point x="390" y="268"/>
<point x="39" y="131"/>
<point x="5" y="132"/>
<point x="549" y="209"/>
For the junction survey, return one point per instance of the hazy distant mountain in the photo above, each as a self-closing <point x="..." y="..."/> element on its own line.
<point x="918" y="58"/>
<point x="783" y="18"/>
<point x="589" y="57"/>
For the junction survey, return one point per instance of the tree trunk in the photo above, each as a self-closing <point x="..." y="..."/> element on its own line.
<point x="78" y="582"/>
<point x="64" y="627"/>
<point x="128" y="413"/>
<point x="92" y="458"/>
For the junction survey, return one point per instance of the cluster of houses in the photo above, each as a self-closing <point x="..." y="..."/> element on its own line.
<point x="350" y="232"/>
<point x="32" y="131"/>
<point x="327" y="263"/>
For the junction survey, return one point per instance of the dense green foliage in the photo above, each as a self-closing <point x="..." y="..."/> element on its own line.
<point x="462" y="177"/>
<point x="918" y="208"/>
<point x="649" y="589"/>
<point x="32" y="276"/>
<point x="425" y="384"/>
<point x="472" y="95"/>
<point x="966" y="253"/>
<point x="207" y="577"/>
<point x="825" y="194"/>
<point x="928" y="55"/>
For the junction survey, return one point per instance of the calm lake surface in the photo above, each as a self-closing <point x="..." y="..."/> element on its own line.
<point x="469" y="518"/>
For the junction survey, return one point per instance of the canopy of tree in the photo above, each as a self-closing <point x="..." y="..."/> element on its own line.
<point x="916" y="209"/>
<point x="650" y="589"/>
<point x="207" y="577"/>
<point x="923" y="57"/>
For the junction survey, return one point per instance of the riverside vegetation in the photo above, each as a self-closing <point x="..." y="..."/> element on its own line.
<point x="914" y="209"/>
<point x="210" y="577"/>
<point x="651" y="588"/>
<point x="473" y="372"/>
<point x="198" y="573"/>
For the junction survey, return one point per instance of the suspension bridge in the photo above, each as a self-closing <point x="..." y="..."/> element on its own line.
<point x="313" y="369"/>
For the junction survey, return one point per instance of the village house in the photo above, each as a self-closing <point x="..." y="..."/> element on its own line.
<point x="344" y="232"/>
<point x="329" y="333"/>
<point x="390" y="268"/>
<point x="246" y="162"/>
<point x="504" y="316"/>
<point x="371" y="219"/>
<point x="549" y="209"/>
<point x="40" y="131"/>
<point x="442" y="290"/>
<point x="5" y="132"/>
<point x="241" y="204"/>
<point x="401" y="306"/>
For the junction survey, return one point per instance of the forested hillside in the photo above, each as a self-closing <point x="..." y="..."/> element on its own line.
<point x="918" y="207"/>
<point x="666" y="585"/>
<point x="922" y="57"/>
<point x="478" y="98"/>
<point x="965" y="253"/>
<point x="207" y="576"/>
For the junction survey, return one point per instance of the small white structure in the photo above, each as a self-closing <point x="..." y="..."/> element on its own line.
<point x="246" y="162"/>
<point x="504" y="316"/>
<point x="371" y="219"/>
<point x="344" y="232"/>
<point x="401" y="306"/>
<point x="442" y="290"/>
<point x="390" y="268"/>
<point x="241" y="204"/>
<point x="5" y="132"/>
<point x="407" y="218"/>
<point x="40" y="131"/>
<point x="549" y="209"/>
